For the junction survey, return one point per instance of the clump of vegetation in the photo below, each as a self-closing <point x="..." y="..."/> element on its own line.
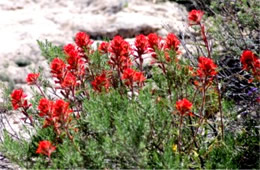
<point x="101" y="110"/>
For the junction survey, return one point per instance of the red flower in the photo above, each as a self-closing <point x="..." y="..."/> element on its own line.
<point x="45" y="107"/>
<point x="139" y="78"/>
<point x="82" y="40"/>
<point x="172" y="42"/>
<point x="32" y="78"/>
<point x="69" y="49"/>
<point x="58" y="68"/>
<point x="120" y="50"/>
<point x="256" y="69"/>
<point x="100" y="81"/>
<point x="141" y="44"/>
<point x="207" y="68"/>
<point x="69" y="81"/>
<point x="248" y="59"/>
<point x="103" y="47"/>
<point x="61" y="110"/>
<point x="153" y="41"/>
<point x="130" y="76"/>
<point x="184" y="107"/>
<point x="46" y="148"/>
<point x="56" y="113"/>
<point x="257" y="63"/>
<point x="73" y="56"/>
<point x="119" y="47"/>
<point x="195" y="17"/>
<point x="18" y="99"/>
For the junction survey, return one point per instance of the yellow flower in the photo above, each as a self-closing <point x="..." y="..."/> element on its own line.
<point x="174" y="147"/>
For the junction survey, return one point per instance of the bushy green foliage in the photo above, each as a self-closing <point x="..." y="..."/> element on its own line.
<point x="50" y="51"/>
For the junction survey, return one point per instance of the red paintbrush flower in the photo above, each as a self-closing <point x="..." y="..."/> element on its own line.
<point x="172" y="42"/>
<point x="207" y="68"/>
<point x="82" y="40"/>
<point x="195" y="17"/>
<point x="45" y="107"/>
<point x="103" y="47"/>
<point x="184" y="107"/>
<point x="58" y="68"/>
<point x="32" y="78"/>
<point x="99" y="82"/>
<point x="46" y="148"/>
<point x="18" y="99"/>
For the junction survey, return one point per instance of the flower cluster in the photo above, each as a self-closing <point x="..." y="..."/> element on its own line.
<point x="172" y="42"/>
<point x="251" y="62"/>
<point x="32" y="78"/>
<point x="19" y="102"/>
<point x="18" y="99"/>
<point x="45" y="148"/>
<point x="184" y="107"/>
<point x="141" y="44"/>
<point x="154" y="42"/>
<point x="131" y="76"/>
<point x="103" y="47"/>
<point x="195" y="17"/>
<point x="100" y="82"/>
<point x="117" y="65"/>
<point x="84" y="43"/>
<point x="56" y="113"/>
<point x="141" y="48"/>
<point x="68" y="74"/>
<point x="207" y="68"/>
<point x="82" y="40"/>
<point x="120" y="54"/>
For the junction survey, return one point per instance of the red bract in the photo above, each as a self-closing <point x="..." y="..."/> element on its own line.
<point x="184" y="107"/>
<point x="139" y="78"/>
<point x="46" y="148"/>
<point x="195" y="17"/>
<point x="172" y="42"/>
<point x="82" y="40"/>
<point x="153" y="41"/>
<point x="248" y="59"/>
<point x="119" y="47"/>
<point x="56" y="113"/>
<point x="58" y="68"/>
<point x="141" y="44"/>
<point x="257" y="69"/>
<point x="207" y="68"/>
<point x="70" y="49"/>
<point x="103" y="47"/>
<point x="18" y="99"/>
<point x="61" y="110"/>
<point x="45" y="107"/>
<point x="69" y="81"/>
<point x="120" y="50"/>
<point x="32" y="78"/>
<point x="130" y="76"/>
<point x="100" y="82"/>
<point x="73" y="56"/>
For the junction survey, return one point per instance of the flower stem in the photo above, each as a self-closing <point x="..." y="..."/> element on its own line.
<point x="179" y="138"/>
<point x="205" y="39"/>
<point x="220" y="110"/>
